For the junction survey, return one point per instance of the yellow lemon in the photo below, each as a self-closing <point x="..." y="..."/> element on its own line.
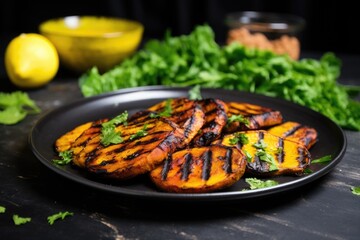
<point x="31" y="60"/>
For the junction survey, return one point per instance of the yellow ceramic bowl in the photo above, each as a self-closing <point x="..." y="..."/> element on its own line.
<point x="86" y="41"/>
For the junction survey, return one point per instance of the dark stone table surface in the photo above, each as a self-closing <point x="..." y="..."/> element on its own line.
<point x="323" y="209"/>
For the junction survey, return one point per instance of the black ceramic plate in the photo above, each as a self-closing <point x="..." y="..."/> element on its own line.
<point x="332" y="140"/>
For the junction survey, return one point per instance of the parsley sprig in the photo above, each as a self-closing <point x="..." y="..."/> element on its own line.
<point x="15" y="106"/>
<point x="248" y="156"/>
<point x="239" y="138"/>
<point x="195" y="93"/>
<point x="257" y="183"/>
<point x="65" y="158"/>
<point x="20" y="220"/>
<point x="324" y="159"/>
<point x="264" y="155"/>
<point x="51" y="219"/>
<point x="60" y="215"/>
<point x="167" y="111"/>
<point x="238" y="118"/>
<point x="2" y="209"/>
<point x="109" y="135"/>
<point x="141" y="133"/>
<point x="355" y="190"/>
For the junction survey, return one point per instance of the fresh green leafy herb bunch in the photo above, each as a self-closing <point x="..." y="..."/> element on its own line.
<point x="196" y="59"/>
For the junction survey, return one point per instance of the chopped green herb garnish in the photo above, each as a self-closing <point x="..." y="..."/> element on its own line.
<point x="61" y="215"/>
<point x="141" y="133"/>
<point x="234" y="140"/>
<point x="308" y="171"/>
<point x="109" y="135"/>
<point x="154" y="115"/>
<point x="2" y="209"/>
<point x="195" y="93"/>
<point x="239" y="137"/>
<point x="248" y="156"/>
<point x="66" y="158"/>
<point x="238" y="118"/>
<point x="266" y="157"/>
<point x="257" y="183"/>
<point x="166" y="111"/>
<point x="15" y="106"/>
<point x="122" y="118"/>
<point x="260" y="145"/>
<point x="324" y="159"/>
<point x="355" y="190"/>
<point x="20" y="220"/>
<point x="279" y="150"/>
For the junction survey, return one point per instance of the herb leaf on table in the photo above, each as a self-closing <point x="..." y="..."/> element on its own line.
<point x="15" y="106"/>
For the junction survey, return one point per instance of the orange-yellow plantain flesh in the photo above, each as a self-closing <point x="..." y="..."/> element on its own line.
<point x="65" y="142"/>
<point x="215" y="121"/>
<point x="133" y="156"/>
<point x="200" y="169"/>
<point x="288" y="157"/>
<point x="256" y="117"/>
<point x="296" y="132"/>
<point x="190" y="147"/>
<point x="184" y="112"/>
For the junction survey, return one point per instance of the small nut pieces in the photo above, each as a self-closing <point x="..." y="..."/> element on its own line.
<point x="284" y="45"/>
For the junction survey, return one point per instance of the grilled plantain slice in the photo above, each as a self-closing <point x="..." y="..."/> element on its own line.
<point x="85" y="135"/>
<point x="137" y="154"/>
<point x="246" y="116"/>
<point x="75" y="139"/>
<point x="90" y="140"/>
<point x="187" y="113"/>
<point x="296" y="132"/>
<point x="200" y="169"/>
<point x="215" y="121"/>
<point x="267" y="154"/>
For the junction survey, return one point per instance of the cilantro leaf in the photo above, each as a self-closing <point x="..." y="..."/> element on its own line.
<point x="60" y="215"/>
<point x="20" y="220"/>
<point x="279" y="150"/>
<point x="15" y="106"/>
<point x="2" y="209"/>
<point x="324" y="159"/>
<point x="238" y="118"/>
<point x="260" y="145"/>
<point x="122" y="118"/>
<point x="12" y="115"/>
<point x="167" y="111"/>
<point x="109" y="135"/>
<point x="248" y="156"/>
<point x="257" y="183"/>
<point x="266" y="157"/>
<point x="355" y="190"/>
<point x="195" y="93"/>
<point x="141" y="133"/>
<point x="65" y="158"/>
<point x="239" y="138"/>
